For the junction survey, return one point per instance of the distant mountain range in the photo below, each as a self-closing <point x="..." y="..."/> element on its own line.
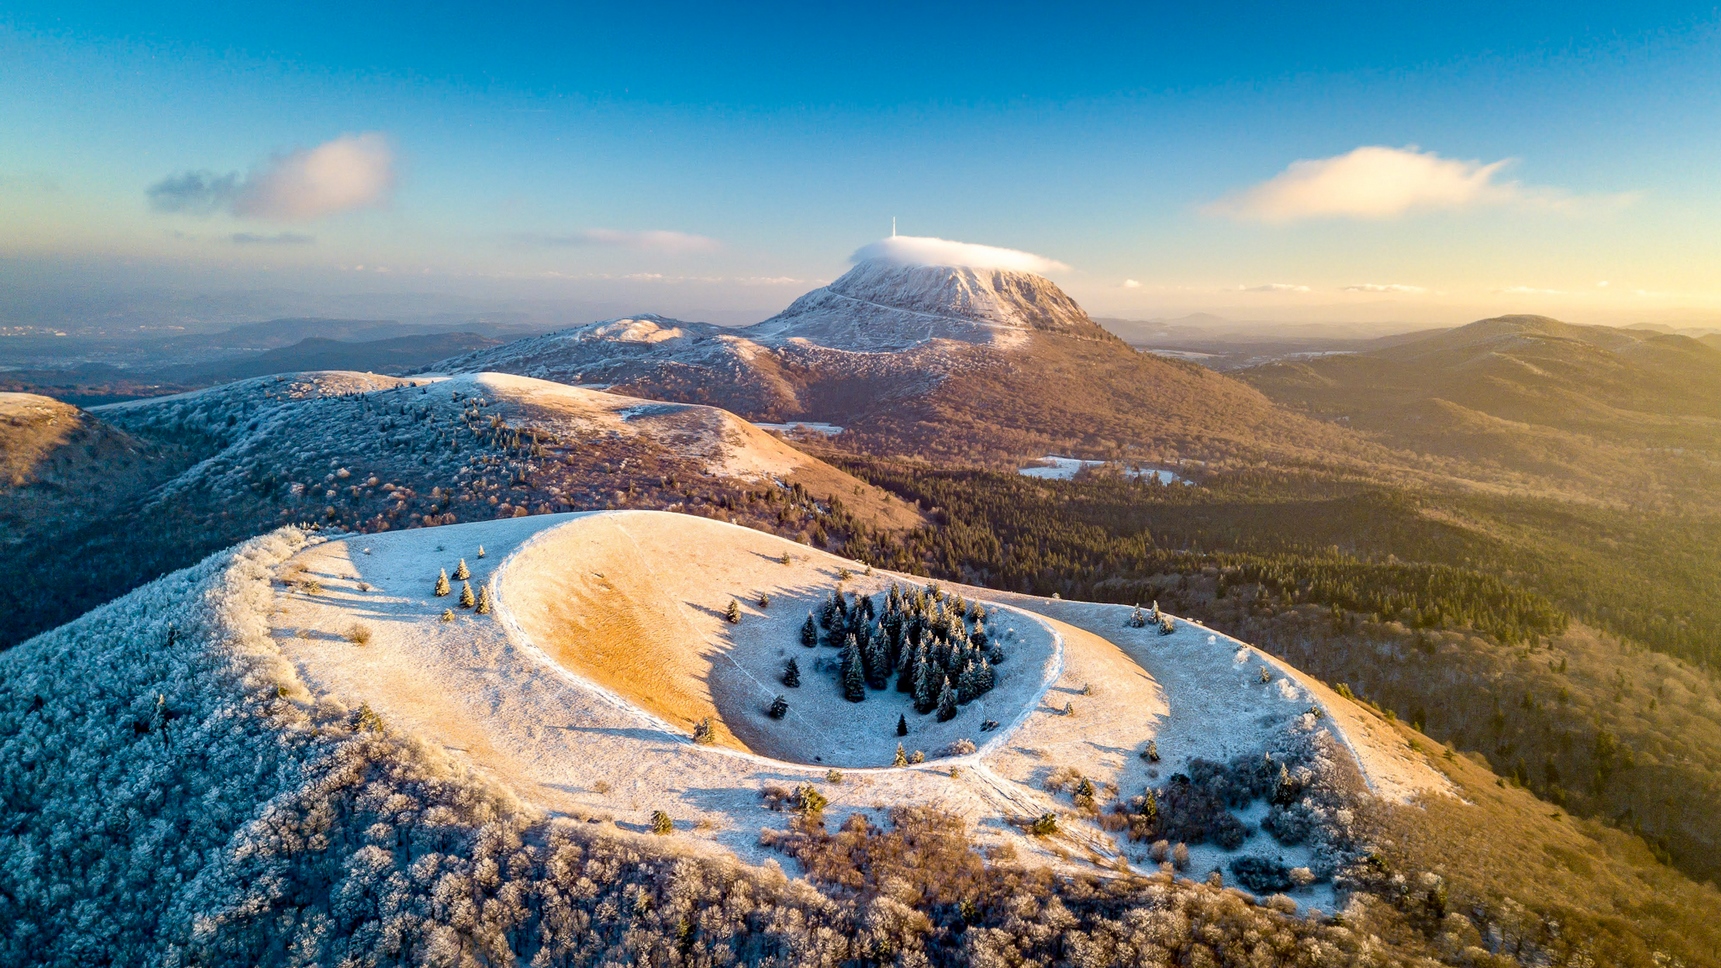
<point x="1625" y="411"/>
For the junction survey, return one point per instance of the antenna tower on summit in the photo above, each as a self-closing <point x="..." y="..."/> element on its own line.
<point x="893" y="226"/>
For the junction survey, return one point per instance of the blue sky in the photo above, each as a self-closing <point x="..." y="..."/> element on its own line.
<point x="1362" y="161"/>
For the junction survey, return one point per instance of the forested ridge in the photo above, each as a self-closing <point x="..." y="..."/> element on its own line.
<point x="1513" y="568"/>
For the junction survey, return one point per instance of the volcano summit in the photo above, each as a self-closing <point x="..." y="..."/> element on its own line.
<point x="899" y="346"/>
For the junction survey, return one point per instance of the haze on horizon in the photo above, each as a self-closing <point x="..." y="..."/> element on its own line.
<point x="1353" y="163"/>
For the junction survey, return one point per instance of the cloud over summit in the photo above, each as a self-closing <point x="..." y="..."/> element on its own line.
<point x="354" y="171"/>
<point x="913" y="250"/>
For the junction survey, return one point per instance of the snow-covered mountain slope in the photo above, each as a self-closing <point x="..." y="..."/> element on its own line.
<point x="612" y="628"/>
<point x="997" y="364"/>
<point x="373" y="452"/>
<point x="383" y="451"/>
<point x="651" y="356"/>
<point x="881" y="305"/>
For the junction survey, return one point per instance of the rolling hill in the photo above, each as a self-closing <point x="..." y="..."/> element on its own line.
<point x="370" y="452"/>
<point x="1623" y="414"/>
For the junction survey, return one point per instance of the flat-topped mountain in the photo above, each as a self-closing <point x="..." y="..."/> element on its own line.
<point x="989" y="363"/>
<point x="885" y="305"/>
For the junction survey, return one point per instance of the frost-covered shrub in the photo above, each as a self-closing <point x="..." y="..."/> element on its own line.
<point x="1262" y="875"/>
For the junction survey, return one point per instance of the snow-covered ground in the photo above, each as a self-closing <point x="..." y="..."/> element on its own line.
<point x="1064" y="468"/>
<point x="799" y="426"/>
<point x="608" y="641"/>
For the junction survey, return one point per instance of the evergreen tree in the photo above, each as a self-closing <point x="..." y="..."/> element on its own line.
<point x="978" y="637"/>
<point x="483" y="607"/>
<point x="809" y="632"/>
<point x="877" y="661"/>
<point x="901" y="756"/>
<point x="965" y="689"/>
<point x="779" y="707"/>
<point x="466" y="599"/>
<point x="442" y="583"/>
<point x="946" y="702"/>
<point x="854" y="676"/>
<point x="984" y="678"/>
<point x="828" y="612"/>
<point x="792" y="675"/>
<point x="901" y="730"/>
<point x="460" y="573"/>
<point x="733" y="612"/>
<point x="480" y="551"/>
<point x="925" y="688"/>
<point x="1138" y="618"/>
<point x="908" y="668"/>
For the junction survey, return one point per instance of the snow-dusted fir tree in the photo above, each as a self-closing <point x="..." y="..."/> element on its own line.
<point x="466" y="598"/>
<point x="909" y="669"/>
<point x="460" y="572"/>
<point x="792" y="674"/>
<point x="442" y="587"/>
<point x="810" y="632"/>
<point x="946" y="703"/>
<point x="854" y="676"/>
<point x="877" y="660"/>
<point x="926" y="680"/>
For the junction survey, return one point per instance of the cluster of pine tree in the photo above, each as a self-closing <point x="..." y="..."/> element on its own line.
<point x="934" y="645"/>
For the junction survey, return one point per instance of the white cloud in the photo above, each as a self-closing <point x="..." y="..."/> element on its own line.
<point x="351" y="172"/>
<point x="1131" y="284"/>
<point x="651" y="241"/>
<point x="1375" y="182"/>
<point x="917" y="250"/>
<point x="1383" y="287"/>
<point x="1270" y="287"/>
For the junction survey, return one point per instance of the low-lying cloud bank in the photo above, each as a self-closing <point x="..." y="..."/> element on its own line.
<point x="914" y="250"/>
<point x="354" y="171"/>
<point x="649" y="241"/>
